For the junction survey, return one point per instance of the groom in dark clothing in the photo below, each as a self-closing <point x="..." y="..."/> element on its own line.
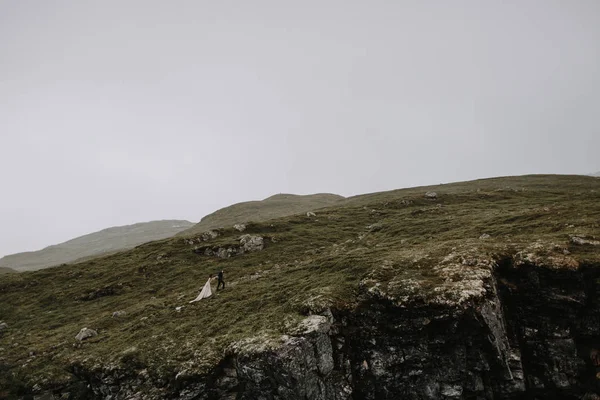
<point x="221" y="280"/>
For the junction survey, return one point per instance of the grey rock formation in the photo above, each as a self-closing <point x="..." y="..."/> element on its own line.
<point x="252" y="243"/>
<point x="431" y="195"/>
<point x="86" y="333"/>
<point x="119" y="314"/>
<point x="375" y="227"/>
<point x="223" y="252"/>
<point x="578" y="240"/>
<point x="209" y="235"/>
<point x="239" y="227"/>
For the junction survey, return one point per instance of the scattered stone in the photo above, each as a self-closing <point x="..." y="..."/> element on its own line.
<point x="119" y="314"/>
<point x="178" y="309"/>
<point x="375" y="227"/>
<point x="239" y="227"/>
<point x="484" y="236"/>
<point x="365" y="365"/>
<point x="86" y="333"/>
<point x="3" y="327"/>
<point x="452" y="391"/>
<point x="209" y="235"/>
<point x="431" y="195"/>
<point x="311" y="214"/>
<point x="223" y="252"/>
<point x="579" y="240"/>
<point x="252" y="243"/>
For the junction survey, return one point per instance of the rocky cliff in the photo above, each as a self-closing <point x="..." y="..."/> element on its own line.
<point x="476" y="291"/>
<point x="533" y="333"/>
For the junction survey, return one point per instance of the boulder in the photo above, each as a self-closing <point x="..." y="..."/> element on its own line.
<point x="86" y="333"/>
<point x="224" y="252"/>
<point x="3" y="327"/>
<point x="484" y="236"/>
<point x="579" y="240"/>
<point x="375" y="227"/>
<point x="118" y="314"/>
<point x="311" y="214"/>
<point x="209" y="235"/>
<point x="431" y="195"/>
<point x="239" y="227"/>
<point x="252" y="243"/>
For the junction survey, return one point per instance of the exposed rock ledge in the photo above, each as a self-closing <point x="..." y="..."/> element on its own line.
<point x="521" y="331"/>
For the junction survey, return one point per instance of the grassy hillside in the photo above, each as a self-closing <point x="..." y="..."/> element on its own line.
<point x="6" y="270"/>
<point x="280" y="205"/>
<point x="106" y="241"/>
<point x="418" y="250"/>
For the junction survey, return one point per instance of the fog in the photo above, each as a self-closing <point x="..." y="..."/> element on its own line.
<point x="119" y="112"/>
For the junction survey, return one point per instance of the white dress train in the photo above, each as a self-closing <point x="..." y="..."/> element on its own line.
<point x="206" y="292"/>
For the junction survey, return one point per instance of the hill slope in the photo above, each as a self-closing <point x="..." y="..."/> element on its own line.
<point x="280" y="205"/>
<point x="6" y="270"/>
<point x="108" y="240"/>
<point x="490" y="289"/>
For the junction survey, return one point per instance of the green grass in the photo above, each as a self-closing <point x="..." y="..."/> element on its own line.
<point x="422" y="251"/>
<point x="6" y="270"/>
<point x="277" y="206"/>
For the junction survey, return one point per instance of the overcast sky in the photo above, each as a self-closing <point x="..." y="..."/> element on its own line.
<point x="116" y="112"/>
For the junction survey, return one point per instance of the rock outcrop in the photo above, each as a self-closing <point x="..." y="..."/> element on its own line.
<point x="86" y="333"/>
<point x="3" y="327"/>
<point x="239" y="227"/>
<point x="583" y="241"/>
<point x="119" y="314"/>
<point x="247" y="244"/>
<point x="526" y="332"/>
<point x="252" y="243"/>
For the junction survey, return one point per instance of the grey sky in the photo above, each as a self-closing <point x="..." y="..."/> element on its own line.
<point x="115" y="112"/>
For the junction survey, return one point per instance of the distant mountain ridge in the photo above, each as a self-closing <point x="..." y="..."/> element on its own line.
<point x="279" y="205"/>
<point x="106" y="241"/>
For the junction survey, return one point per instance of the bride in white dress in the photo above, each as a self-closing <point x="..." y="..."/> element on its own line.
<point x="205" y="292"/>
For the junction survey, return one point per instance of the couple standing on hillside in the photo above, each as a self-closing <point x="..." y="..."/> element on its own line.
<point x="206" y="290"/>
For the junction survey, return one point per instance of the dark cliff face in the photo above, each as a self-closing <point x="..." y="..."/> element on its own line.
<point x="535" y="335"/>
